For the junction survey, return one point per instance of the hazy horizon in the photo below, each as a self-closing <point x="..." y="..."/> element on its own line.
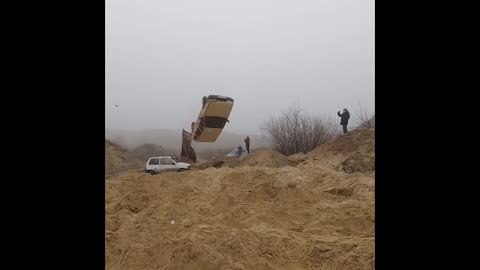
<point x="172" y="139"/>
<point x="162" y="57"/>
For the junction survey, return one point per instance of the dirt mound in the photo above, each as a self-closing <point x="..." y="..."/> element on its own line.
<point x="260" y="157"/>
<point x="358" y="162"/>
<point x="117" y="159"/>
<point x="297" y="158"/>
<point x="208" y="164"/>
<point x="362" y="140"/>
<point x="350" y="153"/>
<point x="316" y="215"/>
<point x="242" y="218"/>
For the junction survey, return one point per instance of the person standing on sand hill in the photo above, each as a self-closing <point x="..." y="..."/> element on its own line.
<point x="240" y="150"/>
<point x="344" y="119"/>
<point x="247" y="144"/>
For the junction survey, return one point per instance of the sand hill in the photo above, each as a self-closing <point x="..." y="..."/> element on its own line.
<point x="118" y="159"/>
<point x="350" y="153"/>
<point x="261" y="213"/>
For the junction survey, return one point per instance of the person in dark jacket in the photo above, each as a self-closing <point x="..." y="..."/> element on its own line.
<point x="344" y="119"/>
<point x="239" y="150"/>
<point x="247" y="144"/>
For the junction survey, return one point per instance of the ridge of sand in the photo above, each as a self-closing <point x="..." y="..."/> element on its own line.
<point x="251" y="216"/>
<point x="118" y="159"/>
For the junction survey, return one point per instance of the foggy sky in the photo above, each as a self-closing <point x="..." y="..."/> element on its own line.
<point x="163" y="56"/>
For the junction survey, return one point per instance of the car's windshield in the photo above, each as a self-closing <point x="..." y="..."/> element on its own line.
<point x="214" y="121"/>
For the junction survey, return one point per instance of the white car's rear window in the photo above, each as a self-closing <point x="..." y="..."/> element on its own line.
<point x="153" y="161"/>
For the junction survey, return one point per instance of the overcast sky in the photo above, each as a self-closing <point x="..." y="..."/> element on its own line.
<point x="163" y="56"/>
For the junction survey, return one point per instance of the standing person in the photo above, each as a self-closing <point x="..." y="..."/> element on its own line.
<point x="344" y="119"/>
<point x="240" y="150"/>
<point x="247" y="144"/>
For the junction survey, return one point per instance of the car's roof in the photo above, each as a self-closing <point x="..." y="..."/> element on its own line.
<point x="162" y="157"/>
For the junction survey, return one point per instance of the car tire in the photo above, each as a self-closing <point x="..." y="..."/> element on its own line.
<point x="181" y="170"/>
<point x="204" y="101"/>
<point x="151" y="172"/>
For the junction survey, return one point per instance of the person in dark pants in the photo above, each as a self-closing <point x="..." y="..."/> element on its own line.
<point x="247" y="144"/>
<point x="344" y="119"/>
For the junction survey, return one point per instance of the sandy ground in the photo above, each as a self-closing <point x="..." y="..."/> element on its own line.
<point x="258" y="214"/>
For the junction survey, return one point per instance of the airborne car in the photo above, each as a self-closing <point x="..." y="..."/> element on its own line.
<point x="212" y="118"/>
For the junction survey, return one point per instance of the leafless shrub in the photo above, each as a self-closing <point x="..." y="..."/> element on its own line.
<point x="295" y="131"/>
<point x="363" y="119"/>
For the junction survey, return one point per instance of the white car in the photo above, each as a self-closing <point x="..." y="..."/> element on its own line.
<point x="164" y="164"/>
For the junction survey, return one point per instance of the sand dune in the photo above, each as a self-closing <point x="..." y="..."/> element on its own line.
<point x="257" y="212"/>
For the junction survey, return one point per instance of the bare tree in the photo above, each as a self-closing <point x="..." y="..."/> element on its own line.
<point x="295" y="131"/>
<point x="363" y="119"/>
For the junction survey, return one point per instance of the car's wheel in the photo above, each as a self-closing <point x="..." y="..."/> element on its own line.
<point x="181" y="170"/>
<point x="204" y="101"/>
<point x="151" y="172"/>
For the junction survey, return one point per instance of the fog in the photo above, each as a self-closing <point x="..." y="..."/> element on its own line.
<point x="162" y="57"/>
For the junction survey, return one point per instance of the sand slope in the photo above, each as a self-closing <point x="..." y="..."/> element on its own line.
<point x="256" y="215"/>
<point x="118" y="159"/>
